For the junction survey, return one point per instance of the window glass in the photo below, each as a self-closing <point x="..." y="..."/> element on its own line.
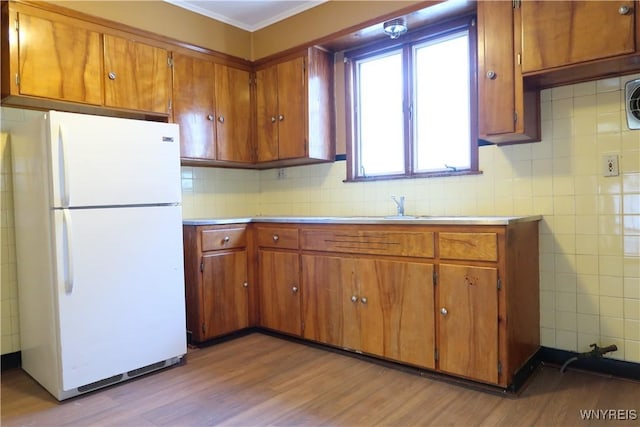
<point x="380" y="118"/>
<point x="441" y="104"/>
<point x="412" y="104"/>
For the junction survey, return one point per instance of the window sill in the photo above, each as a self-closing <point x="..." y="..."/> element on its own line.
<point x="414" y="176"/>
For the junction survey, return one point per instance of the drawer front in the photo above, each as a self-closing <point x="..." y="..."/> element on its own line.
<point x="377" y="242"/>
<point x="274" y="237"/>
<point x="223" y="238"/>
<point x="469" y="246"/>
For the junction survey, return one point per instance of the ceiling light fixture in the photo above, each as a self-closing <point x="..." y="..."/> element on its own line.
<point x="395" y="28"/>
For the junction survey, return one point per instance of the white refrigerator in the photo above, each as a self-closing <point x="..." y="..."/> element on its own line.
<point x="98" y="225"/>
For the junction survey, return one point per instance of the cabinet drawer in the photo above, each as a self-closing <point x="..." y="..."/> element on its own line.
<point x="274" y="237"/>
<point x="369" y="241"/>
<point x="469" y="246"/>
<point x="226" y="238"/>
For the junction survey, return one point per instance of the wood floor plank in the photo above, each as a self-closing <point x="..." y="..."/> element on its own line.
<point x="260" y="380"/>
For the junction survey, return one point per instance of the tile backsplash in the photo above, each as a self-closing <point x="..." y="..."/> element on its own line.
<point x="589" y="236"/>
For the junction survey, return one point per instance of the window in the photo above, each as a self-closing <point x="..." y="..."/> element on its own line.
<point x="412" y="105"/>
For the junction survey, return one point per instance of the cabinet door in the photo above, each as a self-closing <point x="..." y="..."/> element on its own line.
<point x="137" y="75"/>
<point x="398" y="316"/>
<point x="233" y="112"/>
<point x="267" y="113"/>
<point x="279" y="283"/>
<point x="59" y="61"/>
<point x="292" y="109"/>
<point x="496" y="90"/>
<point x="557" y="33"/>
<point x="331" y="301"/>
<point x="193" y="107"/>
<point x="225" y="293"/>
<point x="468" y="321"/>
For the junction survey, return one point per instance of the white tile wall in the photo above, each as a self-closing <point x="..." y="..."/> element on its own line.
<point x="9" y="289"/>
<point x="589" y="237"/>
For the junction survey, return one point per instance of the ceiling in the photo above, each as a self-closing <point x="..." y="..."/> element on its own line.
<point x="249" y="15"/>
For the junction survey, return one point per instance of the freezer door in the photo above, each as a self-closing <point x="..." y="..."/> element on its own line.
<point x="107" y="161"/>
<point x="120" y="290"/>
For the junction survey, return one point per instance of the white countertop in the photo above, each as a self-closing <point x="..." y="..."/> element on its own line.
<point x="418" y="220"/>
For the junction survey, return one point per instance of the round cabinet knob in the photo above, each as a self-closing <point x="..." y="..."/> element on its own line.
<point x="294" y="289"/>
<point x="354" y="299"/>
<point x="624" y="10"/>
<point x="211" y="117"/>
<point x="245" y="285"/>
<point x="273" y="119"/>
<point x="281" y="117"/>
<point x="491" y="75"/>
<point x="226" y="239"/>
<point x="276" y="238"/>
<point x="221" y="119"/>
<point x="444" y="311"/>
<point x="363" y="300"/>
<point x="112" y="75"/>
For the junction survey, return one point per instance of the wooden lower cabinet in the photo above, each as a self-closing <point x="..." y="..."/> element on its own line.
<point x="279" y="291"/>
<point x="217" y="285"/>
<point x="457" y="299"/>
<point x="224" y="294"/>
<point x="375" y="306"/>
<point x="468" y="321"/>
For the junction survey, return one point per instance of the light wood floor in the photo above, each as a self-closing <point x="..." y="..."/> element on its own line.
<point x="262" y="380"/>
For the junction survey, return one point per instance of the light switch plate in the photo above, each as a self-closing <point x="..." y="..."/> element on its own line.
<point x="610" y="165"/>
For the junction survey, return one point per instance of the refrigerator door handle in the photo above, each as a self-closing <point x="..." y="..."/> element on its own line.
<point x="63" y="157"/>
<point x="68" y="251"/>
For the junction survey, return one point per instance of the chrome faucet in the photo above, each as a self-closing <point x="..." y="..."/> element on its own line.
<point x="399" y="205"/>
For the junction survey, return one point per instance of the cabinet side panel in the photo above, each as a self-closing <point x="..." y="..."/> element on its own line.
<point x="321" y="129"/>
<point x="522" y="294"/>
<point x="192" y="281"/>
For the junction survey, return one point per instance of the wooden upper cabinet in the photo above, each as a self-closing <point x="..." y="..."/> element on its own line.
<point x="281" y="110"/>
<point x="211" y="103"/>
<point x="496" y="70"/>
<point x="233" y="106"/>
<point x="559" y="33"/>
<point x="57" y="60"/>
<point x="507" y="111"/>
<point x="137" y="76"/>
<point x="294" y="109"/>
<point x="193" y="106"/>
<point x="266" y="114"/>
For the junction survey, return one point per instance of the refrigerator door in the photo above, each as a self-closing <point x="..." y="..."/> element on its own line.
<point x="106" y="161"/>
<point x="120" y="290"/>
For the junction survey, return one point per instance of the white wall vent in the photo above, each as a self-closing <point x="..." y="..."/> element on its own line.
<point x="632" y="103"/>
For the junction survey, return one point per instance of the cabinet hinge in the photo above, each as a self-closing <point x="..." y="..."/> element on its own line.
<point x="201" y="266"/>
<point x="170" y="106"/>
<point x="435" y="278"/>
<point x="499" y="283"/>
<point x="516" y="4"/>
<point x="499" y="368"/>
<point x="17" y="79"/>
<point x="519" y="58"/>
<point x="17" y="23"/>
<point x="170" y="61"/>
<point x="435" y="354"/>
<point x="515" y="117"/>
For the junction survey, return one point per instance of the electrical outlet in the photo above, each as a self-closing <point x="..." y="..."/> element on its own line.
<point x="610" y="165"/>
<point x="281" y="173"/>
